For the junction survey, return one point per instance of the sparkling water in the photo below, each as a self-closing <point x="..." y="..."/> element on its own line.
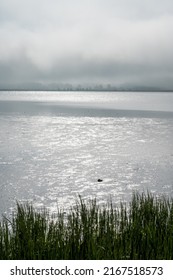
<point x="54" y="146"/>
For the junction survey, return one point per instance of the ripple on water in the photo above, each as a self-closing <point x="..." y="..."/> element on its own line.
<point x="52" y="160"/>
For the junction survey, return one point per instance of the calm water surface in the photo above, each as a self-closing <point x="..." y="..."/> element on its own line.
<point x="56" y="145"/>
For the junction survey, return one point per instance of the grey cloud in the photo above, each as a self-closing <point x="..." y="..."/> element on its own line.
<point x="77" y="71"/>
<point x="87" y="41"/>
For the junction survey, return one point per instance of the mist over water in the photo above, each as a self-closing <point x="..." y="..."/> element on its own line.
<point x="56" y="145"/>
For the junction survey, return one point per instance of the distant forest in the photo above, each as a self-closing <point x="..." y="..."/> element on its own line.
<point x="78" y="87"/>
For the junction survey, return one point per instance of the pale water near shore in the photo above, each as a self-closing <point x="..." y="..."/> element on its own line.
<point x="56" y="145"/>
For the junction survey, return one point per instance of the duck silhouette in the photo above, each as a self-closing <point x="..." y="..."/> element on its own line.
<point x="99" y="180"/>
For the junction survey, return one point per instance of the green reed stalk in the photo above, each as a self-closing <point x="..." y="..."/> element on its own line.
<point x="142" y="229"/>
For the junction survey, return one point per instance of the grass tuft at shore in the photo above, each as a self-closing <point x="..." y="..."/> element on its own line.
<point x="142" y="229"/>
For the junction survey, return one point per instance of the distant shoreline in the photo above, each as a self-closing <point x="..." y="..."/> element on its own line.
<point x="89" y="89"/>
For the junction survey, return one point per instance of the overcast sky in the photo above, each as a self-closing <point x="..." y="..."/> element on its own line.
<point x="87" y="41"/>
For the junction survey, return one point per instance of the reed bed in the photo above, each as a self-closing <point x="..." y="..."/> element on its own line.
<point x="143" y="229"/>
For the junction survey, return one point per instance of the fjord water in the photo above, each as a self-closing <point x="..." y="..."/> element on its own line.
<point x="56" y="145"/>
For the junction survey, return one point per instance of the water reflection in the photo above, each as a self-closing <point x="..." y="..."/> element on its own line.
<point x="50" y="156"/>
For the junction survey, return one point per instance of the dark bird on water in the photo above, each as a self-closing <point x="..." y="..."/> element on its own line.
<point x="99" y="180"/>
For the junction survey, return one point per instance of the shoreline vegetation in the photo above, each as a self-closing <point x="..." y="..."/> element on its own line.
<point x="84" y="88"/>
<point x="141" y="229"/>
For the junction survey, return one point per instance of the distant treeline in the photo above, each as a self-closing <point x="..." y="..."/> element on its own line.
<point x="70" y="87"/>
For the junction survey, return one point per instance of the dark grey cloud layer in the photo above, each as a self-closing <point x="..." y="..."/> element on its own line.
<point x="89" y="41"/>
